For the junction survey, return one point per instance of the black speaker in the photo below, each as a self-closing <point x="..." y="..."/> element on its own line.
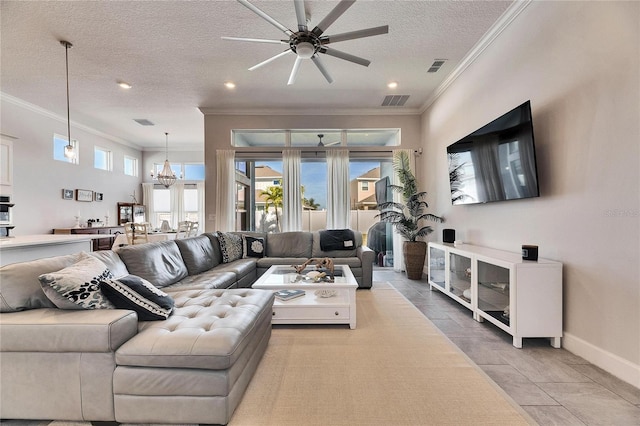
<point x="448" y="235"/>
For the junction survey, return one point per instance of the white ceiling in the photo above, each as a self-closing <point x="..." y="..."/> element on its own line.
<point x="173" y="55"/>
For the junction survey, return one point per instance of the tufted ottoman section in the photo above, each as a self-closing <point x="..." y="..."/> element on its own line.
<point x="195" y="366"/>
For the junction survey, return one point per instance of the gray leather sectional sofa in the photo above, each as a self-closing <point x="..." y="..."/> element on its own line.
<point x="106" y="365"/>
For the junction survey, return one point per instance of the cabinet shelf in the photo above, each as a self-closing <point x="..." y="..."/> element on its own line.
<point x="523" y="298"/>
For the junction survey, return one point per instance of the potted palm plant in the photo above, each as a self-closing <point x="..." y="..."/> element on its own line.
<point x="408" y="217"/>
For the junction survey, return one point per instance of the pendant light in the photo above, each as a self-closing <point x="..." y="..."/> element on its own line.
<point x="69" y="151"/>
<point x="166" y="176"/>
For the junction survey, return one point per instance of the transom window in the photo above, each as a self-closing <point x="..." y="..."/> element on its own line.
<point x="103" y="159"/>
<point x="130" y="166"/>
<point x="59" y="142"/>
<point x="315" y="138"/>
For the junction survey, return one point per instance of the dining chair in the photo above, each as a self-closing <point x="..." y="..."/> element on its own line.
<point x="137" y="233"/>
<point x="193" y="229"/>
<point x="183" y="229"/>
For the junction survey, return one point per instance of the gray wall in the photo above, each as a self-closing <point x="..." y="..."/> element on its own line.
<point x="578" y="64"/>
<point x="39" y="179"/>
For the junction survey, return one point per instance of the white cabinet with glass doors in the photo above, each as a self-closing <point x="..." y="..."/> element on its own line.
<point x="523" y="298"/>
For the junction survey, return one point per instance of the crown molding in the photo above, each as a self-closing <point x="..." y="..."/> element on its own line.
<point x="489" y="37"/>
<point x="48" y="114"/>
<point x="311" y="111"/>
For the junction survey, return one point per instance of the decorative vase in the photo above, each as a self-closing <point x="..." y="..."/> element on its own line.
<point x="415" y="253"/>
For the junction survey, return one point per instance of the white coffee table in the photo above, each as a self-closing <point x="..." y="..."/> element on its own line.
<point x="311" y="308"/>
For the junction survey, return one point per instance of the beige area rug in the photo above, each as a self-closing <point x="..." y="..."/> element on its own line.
<point x="395" y="368"/>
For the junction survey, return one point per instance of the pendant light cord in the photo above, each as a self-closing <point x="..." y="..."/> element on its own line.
<point x="67" y="45"/>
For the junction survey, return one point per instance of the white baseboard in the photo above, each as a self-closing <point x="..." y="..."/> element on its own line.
<point x="619" y="367"/>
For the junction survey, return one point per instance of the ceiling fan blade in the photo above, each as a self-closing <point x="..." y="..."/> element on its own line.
<point x="355" y="34"/>
<point x="294" y="71"/>
<point x="273" y="58"/>
<point x="256" y="40"/>
<point x="316" y="60"/>
<point x="346" y="56"/>
<point x="301" y="15"/>
<point x="266" y="17"/>
<point x="332" y="16"/>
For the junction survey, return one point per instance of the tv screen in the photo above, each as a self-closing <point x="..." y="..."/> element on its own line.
<point x="497" y="162"/>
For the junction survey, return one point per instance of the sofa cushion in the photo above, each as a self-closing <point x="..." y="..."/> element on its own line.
<point x="209" y="329"/>
<point x="214" y="278"/>
<point x="113" y="262"/>
<point x="20" y="287"/>
<point x="230" y="246"/>
<point x="252" y="246"/>
<point x="289" y="244"/>
<point x="139" y="295"/>
<point x="197" y="253"/>
<point x="78" y="286"/>
<point x="159" y="263"/>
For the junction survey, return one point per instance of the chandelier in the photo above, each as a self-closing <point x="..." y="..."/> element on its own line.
<point x="166" y="177"/>
<point x="69" y="152"/>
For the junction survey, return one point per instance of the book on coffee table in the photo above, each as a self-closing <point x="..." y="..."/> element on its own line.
<point x="288" y="294"/>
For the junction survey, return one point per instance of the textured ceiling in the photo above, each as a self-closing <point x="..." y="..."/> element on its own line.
<point x="173" y="55"/>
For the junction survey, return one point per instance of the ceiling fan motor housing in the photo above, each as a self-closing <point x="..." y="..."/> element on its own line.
<point x="305" y="44"/>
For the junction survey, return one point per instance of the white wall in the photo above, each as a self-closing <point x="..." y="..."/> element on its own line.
<point x="39" y="179"/>
<point x="578" y="63"/>
<point x="218" y="128"/>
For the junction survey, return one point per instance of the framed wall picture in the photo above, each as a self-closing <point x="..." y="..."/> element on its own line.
<point x="84" y="195"/>
<point x="67" y="194"/>
<point x="98" y="196"/>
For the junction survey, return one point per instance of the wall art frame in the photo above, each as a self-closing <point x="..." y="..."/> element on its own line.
<point x="67" y="194"/>
<point x="84" y="195"/>
<point x="98" y="196"/>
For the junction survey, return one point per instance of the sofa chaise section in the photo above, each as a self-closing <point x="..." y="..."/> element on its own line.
<point x="195" y="366"/>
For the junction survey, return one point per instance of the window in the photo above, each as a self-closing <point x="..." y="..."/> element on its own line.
<point x="191" y="204"/>
<point x="193" y="171"/>
<point x="130" y="166"/>
<point x="162" y="205"/>
<point x="315" y="138"/>
<point x="59" y="142"/>
<point x="365" y="186"/>
<point x="186" y="171"/>
<point x="102" y="159"/>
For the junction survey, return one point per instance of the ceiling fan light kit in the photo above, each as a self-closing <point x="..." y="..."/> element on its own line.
<point x="309" y="44"/>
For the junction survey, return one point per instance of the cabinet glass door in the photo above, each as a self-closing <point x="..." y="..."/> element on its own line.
<point x="436" y="266"/>
<point x="460" y="276"/>
<point x="493" y="291"/>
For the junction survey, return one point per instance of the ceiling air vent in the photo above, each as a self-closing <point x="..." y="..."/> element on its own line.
<point x="143" y="122"/>
<point x="395" y="100"/>
<point x="435" y="66"/>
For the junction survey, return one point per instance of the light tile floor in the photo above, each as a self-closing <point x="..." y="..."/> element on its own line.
<point x="554" y="386"/>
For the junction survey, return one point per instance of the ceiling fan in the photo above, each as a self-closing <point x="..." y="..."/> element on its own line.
<point x="309" y="44"/>
<point x="320" y="143"/>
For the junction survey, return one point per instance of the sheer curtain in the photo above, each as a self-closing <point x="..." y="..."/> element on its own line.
<point x="291" y="194"/>
<point x="176" y="197"/>
<point x="226" y="190"/>
<point x="338" y="208"/>
<point x="398" y="253"/>
<point x="200" y="189"/>
<point x="147" y="201"/>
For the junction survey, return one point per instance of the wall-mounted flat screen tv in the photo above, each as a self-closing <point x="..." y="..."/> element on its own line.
<point x="497" y="162"/>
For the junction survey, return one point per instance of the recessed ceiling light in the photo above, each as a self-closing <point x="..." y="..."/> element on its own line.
<point x="392" y="85"/>
<point x="230" y="85"/>
<point x="124" y="85"/>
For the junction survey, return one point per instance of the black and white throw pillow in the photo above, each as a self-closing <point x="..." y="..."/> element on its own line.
<point x="78" y="286"/>
<point x="252" y="246"/>
<point x="230" y="246"/>
<point x="139" y="295"/>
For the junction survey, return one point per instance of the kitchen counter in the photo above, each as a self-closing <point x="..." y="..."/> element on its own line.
<point x="30" y="247"/>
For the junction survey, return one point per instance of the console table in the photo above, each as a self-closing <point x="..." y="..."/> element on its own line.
<point x="521" y="297"/>
<point x="107" y="235"/>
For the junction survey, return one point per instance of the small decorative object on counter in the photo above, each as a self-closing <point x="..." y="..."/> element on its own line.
<point x="529" y="252"/>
